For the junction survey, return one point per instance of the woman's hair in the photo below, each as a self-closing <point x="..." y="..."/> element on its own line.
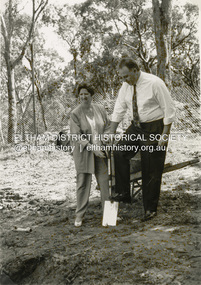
<point x="129" y="63"/>
<point x="85" y="86"/>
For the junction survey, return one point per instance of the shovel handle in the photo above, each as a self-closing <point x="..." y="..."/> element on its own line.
<point x="109" y="154"/>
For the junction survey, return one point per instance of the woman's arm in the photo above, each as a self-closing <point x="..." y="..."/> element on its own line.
<point x="76" y="132"/>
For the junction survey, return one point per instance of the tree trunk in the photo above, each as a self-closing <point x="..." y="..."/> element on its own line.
<point x="1" y="132"/>
<point x="12" y="107"/>
<point x="75" y="64"/>
<point x="162" y="12"/>
<point x="21" y="125"/>
<point x="41" y="105"/>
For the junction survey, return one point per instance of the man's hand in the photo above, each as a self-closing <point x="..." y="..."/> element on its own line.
<point x="111" y="133"/>
<point x="163" y="142"/>
<point x="164" y="136"/>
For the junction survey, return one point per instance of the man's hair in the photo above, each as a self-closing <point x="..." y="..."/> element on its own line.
<point x="85" y="86"/>
<point x="129" y="63"/>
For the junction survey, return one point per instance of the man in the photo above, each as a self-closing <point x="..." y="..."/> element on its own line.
<point x="149" y="102"/>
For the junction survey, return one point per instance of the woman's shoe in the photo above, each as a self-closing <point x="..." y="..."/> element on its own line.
<point x="78" y="222"/>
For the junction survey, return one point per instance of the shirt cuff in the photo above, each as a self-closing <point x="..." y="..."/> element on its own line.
<point x="168" y="121"/>
<point x="116" y="118"/>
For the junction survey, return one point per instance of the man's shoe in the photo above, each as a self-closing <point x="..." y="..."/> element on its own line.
<point x="149" y="215"/>
<point x="120" y="198"/>
<point x="78" y="222"/>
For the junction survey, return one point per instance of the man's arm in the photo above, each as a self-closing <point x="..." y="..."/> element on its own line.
<point x="167" y="105"/>
<point x="113" y="127"/>
<point x="120" y="108"/>
<point x="112" y="131"/>
<point x="165" y="102"/>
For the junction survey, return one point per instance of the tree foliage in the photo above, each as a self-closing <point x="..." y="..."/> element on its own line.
<point x="185" y="46"/>
<point x="110" y="29"/>
<point x="96" y="34"/>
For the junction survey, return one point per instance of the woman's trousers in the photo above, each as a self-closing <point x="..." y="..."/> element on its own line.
<point x="84" y="186"/>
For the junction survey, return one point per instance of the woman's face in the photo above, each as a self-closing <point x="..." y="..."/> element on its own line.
<point x="85" y="96"/>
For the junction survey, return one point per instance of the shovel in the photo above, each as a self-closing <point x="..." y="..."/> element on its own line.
<point x="110" y="207"/>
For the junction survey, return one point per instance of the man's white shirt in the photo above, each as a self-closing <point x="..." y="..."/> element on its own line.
<point x="153" y="100"/>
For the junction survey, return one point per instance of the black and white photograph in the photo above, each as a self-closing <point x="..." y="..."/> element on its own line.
<point x="100" y="142"/>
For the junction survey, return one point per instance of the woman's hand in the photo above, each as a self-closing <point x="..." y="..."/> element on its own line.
<point x="109" y="139"/>
<point x="99" y="153"/>
<point x="96" y="152"/>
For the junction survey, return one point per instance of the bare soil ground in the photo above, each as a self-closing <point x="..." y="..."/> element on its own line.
<point x="38" y="195"/>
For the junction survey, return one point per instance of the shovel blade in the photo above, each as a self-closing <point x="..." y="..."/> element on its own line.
<point x="110" y="213"/>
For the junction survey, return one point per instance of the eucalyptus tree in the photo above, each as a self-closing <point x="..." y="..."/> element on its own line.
<point x="11" y="27"/>
<point x="66" y="25"/>
<point x="105" y="35"/>
<point x="132" y="20"/>
<point x="98" y="32"/>
<point x="162" y="15"/>
<point x="185" y="46"/>
<point x="119" y="28"/>
<point x="48" y="73"/>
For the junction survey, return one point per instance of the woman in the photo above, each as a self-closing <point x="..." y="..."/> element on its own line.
<point x="87" y="122"/>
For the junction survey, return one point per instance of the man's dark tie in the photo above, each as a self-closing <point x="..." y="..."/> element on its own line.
<point x="136" y="120"/>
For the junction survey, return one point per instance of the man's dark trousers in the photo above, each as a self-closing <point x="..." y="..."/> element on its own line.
<point x="152" y="162"/>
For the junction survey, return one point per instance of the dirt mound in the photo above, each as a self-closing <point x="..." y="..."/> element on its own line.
<point x="40" y="245"/>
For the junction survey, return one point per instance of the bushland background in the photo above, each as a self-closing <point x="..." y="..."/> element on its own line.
<point x="47" y="49"/>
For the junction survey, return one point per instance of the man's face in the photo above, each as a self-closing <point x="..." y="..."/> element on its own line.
<point x="129" y="75"/>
